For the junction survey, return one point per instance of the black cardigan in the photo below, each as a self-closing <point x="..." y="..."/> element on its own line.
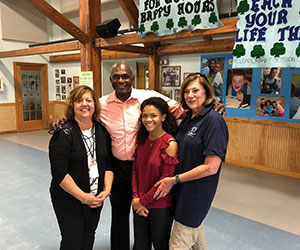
<point x="67" y="154"/>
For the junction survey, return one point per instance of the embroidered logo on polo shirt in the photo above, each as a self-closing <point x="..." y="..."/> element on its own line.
<point x="192" y="132"/>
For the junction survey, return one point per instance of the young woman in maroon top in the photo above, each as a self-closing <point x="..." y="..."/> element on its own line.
<point x="155" y="158"/>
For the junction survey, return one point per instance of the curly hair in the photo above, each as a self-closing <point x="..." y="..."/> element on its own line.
<point x="169" y="124"/>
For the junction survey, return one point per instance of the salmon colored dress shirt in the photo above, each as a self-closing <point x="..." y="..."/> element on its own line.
<point x="121" y="119"/>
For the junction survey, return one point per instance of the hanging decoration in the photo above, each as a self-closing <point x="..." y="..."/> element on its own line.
<point x="166" y="17"/>
<point x="268" y="34"/>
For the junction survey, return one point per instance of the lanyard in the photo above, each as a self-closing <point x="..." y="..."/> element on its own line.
<point x="91" y="145"/>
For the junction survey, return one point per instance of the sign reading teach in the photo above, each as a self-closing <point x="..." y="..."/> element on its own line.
<point x="268" y="34"/>
<point x="166" y="17"/>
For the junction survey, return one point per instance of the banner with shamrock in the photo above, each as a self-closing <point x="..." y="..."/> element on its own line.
<point x="166" y="17"/>
<point x="268" y="34"/>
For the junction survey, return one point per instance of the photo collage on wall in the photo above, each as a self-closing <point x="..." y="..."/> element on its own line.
<point x="258" y="93"/>
<point x="64" y="84"/>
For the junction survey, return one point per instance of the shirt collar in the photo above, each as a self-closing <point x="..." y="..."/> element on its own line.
<point x="205" y="110"/>
<point x="113" y="97"/>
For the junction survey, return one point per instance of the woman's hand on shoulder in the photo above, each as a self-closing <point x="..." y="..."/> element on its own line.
<point x="219" y="107"/>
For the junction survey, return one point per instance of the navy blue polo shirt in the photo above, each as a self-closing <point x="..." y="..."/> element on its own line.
<point x="205" y="134"/>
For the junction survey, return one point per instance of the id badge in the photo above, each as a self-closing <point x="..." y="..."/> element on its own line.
<point x="93" y="168"/>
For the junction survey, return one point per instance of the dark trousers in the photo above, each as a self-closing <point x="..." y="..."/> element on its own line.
<point x="77" y="233"/>
<point x="154" y="229"/>
<point x="120" y="199"/>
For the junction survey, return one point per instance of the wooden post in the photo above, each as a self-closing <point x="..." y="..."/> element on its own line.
<point x="154" y="70"/>
<point x="89" y="17"/>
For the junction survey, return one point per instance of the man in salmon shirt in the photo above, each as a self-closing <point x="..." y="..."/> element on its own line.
<point x="120" y="112"/>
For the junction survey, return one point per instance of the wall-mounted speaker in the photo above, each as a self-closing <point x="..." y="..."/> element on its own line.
<point x="108" y="28"/>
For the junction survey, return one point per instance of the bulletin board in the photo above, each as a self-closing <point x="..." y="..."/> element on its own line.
<point x="258" y="93"/>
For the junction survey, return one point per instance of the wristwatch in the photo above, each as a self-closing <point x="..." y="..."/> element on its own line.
<point x="177" y="179"/>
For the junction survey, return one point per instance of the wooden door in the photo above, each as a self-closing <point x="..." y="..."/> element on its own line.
<point x="142" y="75"/>
<point x="31" y="91"/>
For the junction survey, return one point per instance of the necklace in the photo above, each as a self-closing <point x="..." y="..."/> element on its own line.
<point x="152" y="141"/>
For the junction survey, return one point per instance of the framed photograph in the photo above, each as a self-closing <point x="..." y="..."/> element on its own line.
<point x="63" y="71"/>
<point x="270" y="106"/>
<point x="56" y="72"/>
<point x="185" y="75"/>
<point x="238" y="94"/>
<point x="1" y="84"/>
<point x="76" y="81"/>
<point x="63" y="79"/>
<point x="63" y="97"/>
<point x="63" y="89"/>
<point x="57" y="81"/>
<point x="57" y="89"/>
<point x="177" y="95"/>
<point x="214" y="69"/>
<point x="170" y="76"/>
<point x="271" y="81"/>
<point x="57" y="97"/>
<point x="69" y="79"/>
<point x="167" y="92"/>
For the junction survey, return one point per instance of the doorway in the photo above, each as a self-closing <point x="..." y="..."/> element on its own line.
<point x="142" y="75"/>
<point x="31" y="92"/>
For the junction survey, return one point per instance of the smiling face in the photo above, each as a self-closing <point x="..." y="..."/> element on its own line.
<point x="122" y="80"/>
<point x="238" y="82"/>
<point x="195" y="96"/>
<point x="217" y="67"/>
<point x="84" y="107"/>
<point x="152" y="119"/>
<point x="273" y="73"/>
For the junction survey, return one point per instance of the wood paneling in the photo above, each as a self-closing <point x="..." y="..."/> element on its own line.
<point x="265" y="145"/>
<point x="8" y="121"/>
<point x="56" y="110"/>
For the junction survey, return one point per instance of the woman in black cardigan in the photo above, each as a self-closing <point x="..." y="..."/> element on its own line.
<point x="81" y="159"/>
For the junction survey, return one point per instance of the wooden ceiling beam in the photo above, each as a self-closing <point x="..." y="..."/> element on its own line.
<point x="74" y="57"/>
<point x="131" y="49"/>
<point x="59" y="19"/>
<point x="41" y="50"/>
<point x="131" y="12"/>
<point x="229" y="27"/>
<point x="105" y="55"/>
<point x="196" y="47"/>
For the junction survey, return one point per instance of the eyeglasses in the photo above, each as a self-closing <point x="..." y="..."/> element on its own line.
<point x="198" y="74"/>
<point x="117" y="77"/>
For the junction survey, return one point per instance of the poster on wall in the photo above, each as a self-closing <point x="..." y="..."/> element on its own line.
<point x="168" y="17"/>
<point x="238" y="94"/>
<point x="268" y="93"/>
<point x="267" y="34"/>
<point x="295" y="97"/>
<point x="213" y="68"/>
<point x="86" y="78"/>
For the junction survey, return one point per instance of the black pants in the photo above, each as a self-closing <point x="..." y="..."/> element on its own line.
<point x="154" y="229"/>
<point x="77" y="233"/>
<point x="120" y="199"/>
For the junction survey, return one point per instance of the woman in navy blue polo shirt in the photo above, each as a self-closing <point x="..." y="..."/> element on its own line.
<point x="202" y="143"/>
